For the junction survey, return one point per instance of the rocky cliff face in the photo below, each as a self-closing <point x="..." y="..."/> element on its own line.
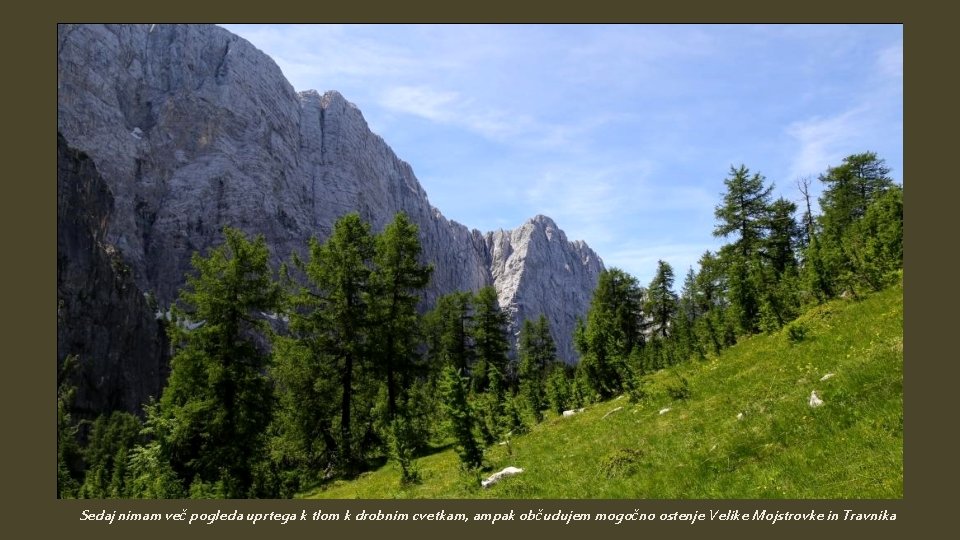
<point x="536" y="270"/>
<point x="96" y="298"/>
<point x="193" y="128"/>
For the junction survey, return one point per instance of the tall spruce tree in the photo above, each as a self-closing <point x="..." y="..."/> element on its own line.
<point x="687" y="316"/>
<point x="743" y="212"/>
<point x="218" y="400"/>
<point x="307" y="389"/>
<point x="712" y="287"/>
<point x="780" y="295"/>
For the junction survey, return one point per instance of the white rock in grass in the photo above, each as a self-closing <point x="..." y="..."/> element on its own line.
<point x="495" y="477"/>
<point x="611" y="412"/>
<point x="825" y="377"/>
<point x="815" y="401"/>
<point x="739" y="416"/>
<point x="664" y="410"/>
<point x="573" y="412"/>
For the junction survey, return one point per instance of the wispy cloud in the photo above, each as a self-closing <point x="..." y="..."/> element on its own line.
<point x="496" y="121"/>
<point x="324" y="55"/>
<point x="823" y="142"/>
<point x="597" y="203"/>
<point x="439" y="106"/>
<point x="621" y="133"/>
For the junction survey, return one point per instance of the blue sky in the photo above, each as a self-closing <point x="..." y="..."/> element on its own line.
<point x="623" y="134"/>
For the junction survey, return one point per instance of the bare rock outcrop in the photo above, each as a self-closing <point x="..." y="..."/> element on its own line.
<point x="96" y="296"/>
<point x="193" y="128"/>
<point x="536" y="270"/>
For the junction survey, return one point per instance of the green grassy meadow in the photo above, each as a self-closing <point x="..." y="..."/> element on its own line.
<point x="780" y="447"/>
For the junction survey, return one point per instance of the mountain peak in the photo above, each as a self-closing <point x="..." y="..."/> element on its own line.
<point x="543" y="221"/>
<point x="536" y="270"/>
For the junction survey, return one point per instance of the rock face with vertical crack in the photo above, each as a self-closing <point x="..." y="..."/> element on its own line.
<point x="193" y="128"/>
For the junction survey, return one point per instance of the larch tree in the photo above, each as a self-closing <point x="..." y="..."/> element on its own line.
<point x="490" y="338"/>
<point x="615" y="326"/>
<point x="339" y="314"/>
<point x="397" y="285"/>
<point x="661" y="305"/>
<point x="850" y="189"/>
<point x="744" y="216"/>
<point x="537" y="352"/>
<point x="449" y="327"/>
<point x="218" y="400"/>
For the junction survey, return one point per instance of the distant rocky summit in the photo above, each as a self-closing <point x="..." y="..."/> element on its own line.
<point x="192" y="128"/>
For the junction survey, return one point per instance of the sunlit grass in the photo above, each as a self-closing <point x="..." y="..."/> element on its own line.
<point x="779" y="447"/>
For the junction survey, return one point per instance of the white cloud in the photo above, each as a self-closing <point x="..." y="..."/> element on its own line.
<point x="823" y="142"/>
<point x="618" y="132"/>
<point x="319" y="57"/>
<point x="494" y="121"/>
<point x="422" y="101"/>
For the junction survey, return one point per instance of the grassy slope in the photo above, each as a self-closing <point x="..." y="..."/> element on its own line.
<point x="850" y="447"/>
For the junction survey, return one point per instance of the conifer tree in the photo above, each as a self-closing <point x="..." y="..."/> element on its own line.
<point x="615" y="326"/>
<point x="689" y="314"/>
<point x="661" y="304"/>
<point x="744" y="214"/>
<point x="711" y="303"/>
<point x="558" y="389"/>
<point x="449" y="330"/>
<point x="851" y="188"/>
<point x="875" y="242"/>
<point x="490" y="406"/>
<point x="490" y="338"/>
<point x="397" y="284"/>
<point x="782" y="238"/>
<point x="338" y="316"/>
<point x="537" y="352"/>
<point x="462" y="421"/>
<point x="105" y="454"/>
<point x="218" y="400"/>
<point x="68" y="450"/>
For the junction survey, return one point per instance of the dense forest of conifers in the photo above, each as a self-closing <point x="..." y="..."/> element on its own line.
<point x="282" y="379"/>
